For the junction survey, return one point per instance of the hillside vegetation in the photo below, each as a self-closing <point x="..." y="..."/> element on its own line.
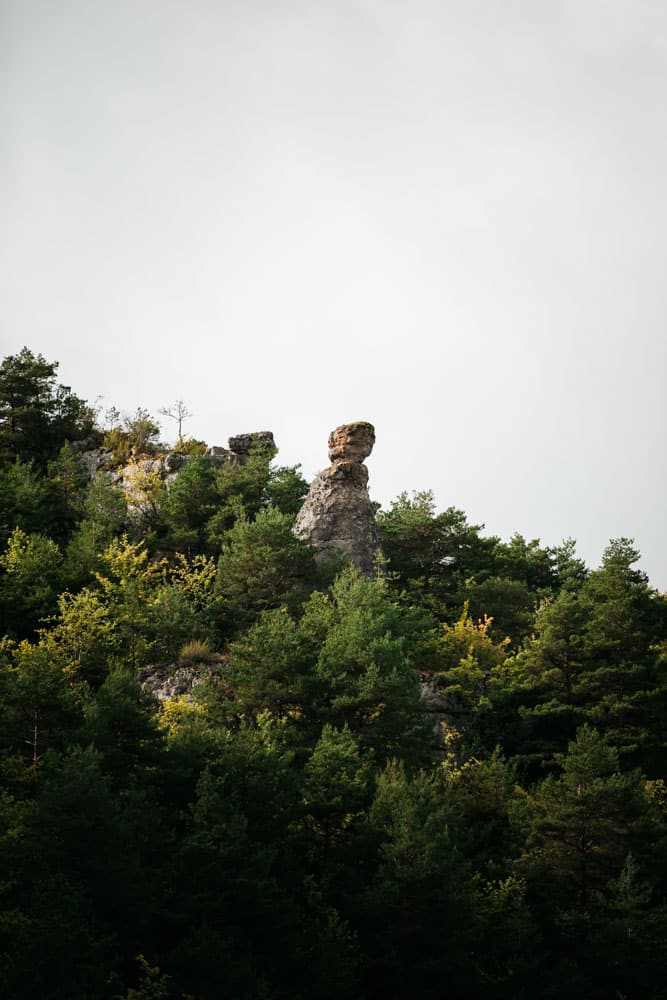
<point x="304" y="823"/>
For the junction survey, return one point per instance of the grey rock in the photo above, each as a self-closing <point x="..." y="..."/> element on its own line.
<point x="87" y="444"/>
<point x="242" y="443"/>
<point x="337" y="515"/>
<point x="218" y="456"/>
<point x="174" y="461"/>
<point x="168" y="681"/>
<point x="144" y="465"/>
<point x="96" y="459"/>
<point x="432" y="695"/>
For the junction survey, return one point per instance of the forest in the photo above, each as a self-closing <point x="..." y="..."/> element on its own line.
<point x="303" y="823"/>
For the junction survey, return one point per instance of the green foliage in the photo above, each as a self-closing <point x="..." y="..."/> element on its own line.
<point x="510" y="604"/>
<point x="241" y="491"/>
<point x="67" y="481"/>
<point x="156" y="608"/>
<point x="104" y="517"/>
<point x="261" y="566"/>
<point x="24" y="500"/>
<point x="129" y="583"/>
<point x="417" y="910"/>
<point x="192" y="446"/>
<point x="467" y="655"/>
<point x="31" y="568"/>
<point x="146" y="499"/>
<point x="122" y="728"/>
<point x="153" y="985"/>
<point x="594" y="655"/>
<point x="131" y="436"/>
<point x="266" y="665"/>
<point x="337" y="786"/>
<point x="433" y="554"/>
<point x="483" y="794"/>
<point x="81" y="638"/>
<point x="40" y="705"/>
<point x="37" y="416"/>
<point x="189" y="505"/>
<point x="289" y="829"/>
<point x="582" y="822"/>
<point x="362" y="676"/>
<point x="286" y="489"/>
<point x="244" y="489"/>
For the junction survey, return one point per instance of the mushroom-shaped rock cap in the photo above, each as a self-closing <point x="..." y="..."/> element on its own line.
<point x="351" y="442"/>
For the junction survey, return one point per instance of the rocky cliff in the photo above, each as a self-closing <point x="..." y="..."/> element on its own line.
<point x="337" y="515"/>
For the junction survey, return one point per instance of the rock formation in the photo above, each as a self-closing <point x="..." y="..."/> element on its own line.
<point x="168" y="465"/>
<point x="239" y="448"/>
<point x="337" y="515"/>
<point x="168" y="681"/>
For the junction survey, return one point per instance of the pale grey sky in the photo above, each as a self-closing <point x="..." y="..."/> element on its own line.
<point x="448" y="218"/>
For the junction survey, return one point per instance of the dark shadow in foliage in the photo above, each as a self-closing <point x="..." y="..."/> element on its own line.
<point x="236" y="876"/>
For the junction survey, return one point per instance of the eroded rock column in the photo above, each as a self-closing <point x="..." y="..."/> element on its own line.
<point x="337" y="515"/>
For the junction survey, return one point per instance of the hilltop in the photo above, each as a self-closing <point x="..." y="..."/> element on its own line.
<point x="259" y="737"/>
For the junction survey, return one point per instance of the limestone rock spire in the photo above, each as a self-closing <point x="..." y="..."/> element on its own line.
<point x="337" y="515"/>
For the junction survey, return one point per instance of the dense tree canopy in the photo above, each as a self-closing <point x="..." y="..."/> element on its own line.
<point x="37" y="415"/>
<point x="446" y="781"/>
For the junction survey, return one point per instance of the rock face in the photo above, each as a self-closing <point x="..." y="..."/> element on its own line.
<point x="337" y="515"/>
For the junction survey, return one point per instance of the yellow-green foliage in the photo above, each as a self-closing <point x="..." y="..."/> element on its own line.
<point x="467" y="640"/>
<point x="180" y="714"/>
<point x="468" y="655"/>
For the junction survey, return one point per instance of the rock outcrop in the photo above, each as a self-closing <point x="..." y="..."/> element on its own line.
<point x="167" y="466"/>
<point x="241" y="445"/>
<point x="167" y="681"/>
<point x="171" y="681"/>
<point x="337" y="515"/>
<point x="239" y="448"/>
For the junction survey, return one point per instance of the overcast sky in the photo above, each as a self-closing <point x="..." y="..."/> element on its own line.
<point x="447" y="218"/>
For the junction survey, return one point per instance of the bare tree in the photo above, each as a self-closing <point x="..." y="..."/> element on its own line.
<point x="177" y="411"/>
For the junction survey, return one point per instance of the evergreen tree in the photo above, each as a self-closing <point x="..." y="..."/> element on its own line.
<point x="361" y="675"/>
<point x="37" y="416"/>
<point x="261" y="566"/>
<point x="30" y="579"/>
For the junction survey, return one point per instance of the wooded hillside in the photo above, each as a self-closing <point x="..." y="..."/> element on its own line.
<point x="447" y="780"/>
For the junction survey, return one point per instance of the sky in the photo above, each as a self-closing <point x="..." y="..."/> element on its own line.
<point x="446" y="218"/>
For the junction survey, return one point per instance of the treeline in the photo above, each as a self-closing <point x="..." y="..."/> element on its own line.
<point x="306" y="823"/>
